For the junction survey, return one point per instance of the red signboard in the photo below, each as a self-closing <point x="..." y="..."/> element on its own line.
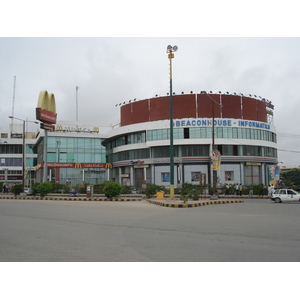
<point x="77" y="165"/>
<point x="47" y="126"/>
<point x="46" y="115"/>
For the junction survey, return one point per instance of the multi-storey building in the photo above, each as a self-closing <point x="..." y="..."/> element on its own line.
<point x="244" y="134"/>
<point x="11" y="155"/>
<point x="138" y="149"/>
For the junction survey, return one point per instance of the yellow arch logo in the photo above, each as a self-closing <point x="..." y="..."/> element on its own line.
<point x="78" y="166"/>
<point x="108" y="165"/>
<point x="47" y="101"/>
<point x="46" y="109"/>
<point x="96" y="129"/>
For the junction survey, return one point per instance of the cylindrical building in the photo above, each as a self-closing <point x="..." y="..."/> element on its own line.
<point x="244" y="134"/>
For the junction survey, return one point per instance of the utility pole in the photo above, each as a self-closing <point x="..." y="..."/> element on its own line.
<point x="77" y="87"/>
<point x="13" y="104"/>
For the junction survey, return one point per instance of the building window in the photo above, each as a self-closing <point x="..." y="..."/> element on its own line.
<point x="165" y="177"/>
<point x="195" y="176"/>
<point x="229" y="176"/>
<point x="186" y="133"/>
<point x="252" y="175"/>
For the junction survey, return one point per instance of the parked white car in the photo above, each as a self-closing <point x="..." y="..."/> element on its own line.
<point x="282" y="195"/>
<point x="28" y="191"/>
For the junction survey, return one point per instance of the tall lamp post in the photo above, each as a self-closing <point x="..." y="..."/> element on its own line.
<point x="170" y="51"/>
<point x="23" y="148"/>
<point x="214" y="179"/>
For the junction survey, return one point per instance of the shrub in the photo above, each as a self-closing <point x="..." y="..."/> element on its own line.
<point x="112" y="189"/>
<point x="150" y="190"/>
<point x="58" y="187"/>
<point x="184" y="198"/>
<point x="45" y="188"/>
<point x="98" y="188"/>
<point x="82" y="190"/>
<point x="66" y="188"/>
<point x="138" y="188"/>
<point x="196" y="194"/>
<point x="17" y="189"/>
<point x="191" y="191"/>
<point x="127" y="189"/>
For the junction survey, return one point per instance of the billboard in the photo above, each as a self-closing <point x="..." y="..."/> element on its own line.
<point x="215" y="159"/>
<point x="46" y="108"/>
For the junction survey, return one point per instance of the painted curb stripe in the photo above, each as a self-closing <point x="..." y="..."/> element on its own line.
<point x="184" y="205"/>
<point x="72" y="199"/>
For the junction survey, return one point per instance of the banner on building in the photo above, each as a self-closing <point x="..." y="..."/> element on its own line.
<point x="215" y="159"/>
<point x="274" y="174"/>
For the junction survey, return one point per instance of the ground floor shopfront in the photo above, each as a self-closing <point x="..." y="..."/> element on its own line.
<point x="188" y="171"/>
<point x="74" y="173"/>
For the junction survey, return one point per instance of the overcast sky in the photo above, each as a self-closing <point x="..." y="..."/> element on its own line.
<point x="113" y="70"/>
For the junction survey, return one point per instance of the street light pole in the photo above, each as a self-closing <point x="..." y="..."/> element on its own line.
<point x="214" y="151"/>
<point x="170" y="51"/>
<point x="23" y="158"/>
<point x="213" y="146"/>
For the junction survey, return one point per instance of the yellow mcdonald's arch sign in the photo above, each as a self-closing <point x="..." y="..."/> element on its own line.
<point x="46" y="108"/>
<point x="58" y="128"/>
<point x="108" y="165"/>
<point x="78" y="166"/>
<point x="96" y="129"/>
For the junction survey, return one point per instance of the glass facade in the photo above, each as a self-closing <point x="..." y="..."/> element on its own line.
<point x="193" y="133"/>
<point x="129" y="155"/>
<point x="206" y="132"/>
<point x="75" y="150"/>
<point x="132" y="138"/>
<point x="193" y="150"/>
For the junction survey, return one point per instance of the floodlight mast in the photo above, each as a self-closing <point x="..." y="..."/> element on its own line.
<point x="170" y="51"/>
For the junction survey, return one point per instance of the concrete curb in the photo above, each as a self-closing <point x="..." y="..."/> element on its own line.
<point x="72" y="198"/>
<point x="187" y="205"/>
<point x="162" y="202"/>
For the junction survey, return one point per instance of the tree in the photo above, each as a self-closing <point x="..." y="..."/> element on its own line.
<point x="17" y="189"/>
<point x="112" y="189"/>
<point x="44" y="188"/>
<point x="290" y="178"/>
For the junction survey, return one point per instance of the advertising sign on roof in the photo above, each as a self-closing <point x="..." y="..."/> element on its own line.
<point x="46" y="108"/>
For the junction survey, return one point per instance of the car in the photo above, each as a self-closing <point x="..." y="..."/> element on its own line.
<point x="281" y="195"/>
<point x="28" y="191"/>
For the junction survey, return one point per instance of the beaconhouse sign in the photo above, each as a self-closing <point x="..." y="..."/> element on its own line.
<point x="220" y="122"/>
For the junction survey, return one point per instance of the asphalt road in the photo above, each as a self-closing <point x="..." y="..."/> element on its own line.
<point x="76" y="231"/>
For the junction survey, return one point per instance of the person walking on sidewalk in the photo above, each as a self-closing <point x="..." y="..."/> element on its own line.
<point x="237" y="188"/>
<point x="227" y="190"/>
<point x="241" y="189"/>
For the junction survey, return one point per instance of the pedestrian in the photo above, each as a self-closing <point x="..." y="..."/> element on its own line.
<point x="251" y="191"/>
<point x="227" y="190"/>
<point x="237" y="187"/>
<point x="261" y="190"/>
<point x="269" y="190"/>
<point x="241" y="189"/>
<point x="272" y="189"/>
